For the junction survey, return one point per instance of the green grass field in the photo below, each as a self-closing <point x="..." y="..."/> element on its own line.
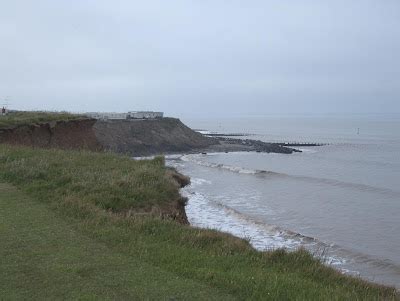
<point x="20" y="118"/>
<point x="45" y="257"/>
<point x="65" y="234"/>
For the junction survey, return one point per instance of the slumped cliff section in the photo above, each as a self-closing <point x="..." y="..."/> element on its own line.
<point x="150" y="137"/>
<point x="72" y="134"/>
<point x="170" y="135"/>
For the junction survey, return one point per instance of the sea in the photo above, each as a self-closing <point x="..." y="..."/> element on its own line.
<point x="340" y="201"/>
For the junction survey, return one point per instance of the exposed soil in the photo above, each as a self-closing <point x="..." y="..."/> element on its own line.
<point x="73" y="134"/>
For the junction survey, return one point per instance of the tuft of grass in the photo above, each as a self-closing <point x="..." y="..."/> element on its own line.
<point x="85" y="195"/>
<point x="21" y="118"/>
<point x="102" y="180"/>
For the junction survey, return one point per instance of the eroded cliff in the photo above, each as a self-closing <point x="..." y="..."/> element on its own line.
<point x="149" y="137"/>
<point x="72" y="134"/>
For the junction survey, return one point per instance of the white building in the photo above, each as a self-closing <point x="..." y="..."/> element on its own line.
<point x="145" y="115"/>
<point x="108" y="116"/>
<point x="125" y="116"/>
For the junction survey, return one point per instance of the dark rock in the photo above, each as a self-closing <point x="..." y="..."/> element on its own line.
<point x="150" y="137"/>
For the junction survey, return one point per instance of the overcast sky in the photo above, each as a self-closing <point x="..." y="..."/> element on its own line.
<point x="196" y="58"/>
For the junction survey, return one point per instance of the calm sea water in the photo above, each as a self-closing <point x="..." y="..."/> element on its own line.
<point x="341" y="201"/>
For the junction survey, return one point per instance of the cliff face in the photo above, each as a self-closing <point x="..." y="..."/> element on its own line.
<point x="73" y="134"/>
<point x="130" y="137"/>
<point x="135" y="137"/>
<point x="149" y="137"/>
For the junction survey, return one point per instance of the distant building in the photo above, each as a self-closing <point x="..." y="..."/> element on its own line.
<point x="107" y="116"/>
<point x="145" y="115"/>
<point x="125" y="116"/>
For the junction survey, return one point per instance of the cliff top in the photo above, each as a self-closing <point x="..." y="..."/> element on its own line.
<point x="19" y="118"/>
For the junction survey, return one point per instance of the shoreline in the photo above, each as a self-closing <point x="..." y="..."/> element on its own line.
<point x="268" y="237"/>
<point x="203" y="213"/>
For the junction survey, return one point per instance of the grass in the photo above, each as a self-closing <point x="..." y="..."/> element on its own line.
<point x="65" y="235"/>
<point x="44" y="257"/>
<point x="96" y="181"/>
<point x="20" y="118"/>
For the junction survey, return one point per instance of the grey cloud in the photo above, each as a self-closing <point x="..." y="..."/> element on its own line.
<point x="202" y="57"/>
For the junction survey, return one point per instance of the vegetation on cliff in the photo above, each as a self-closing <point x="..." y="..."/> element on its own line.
<point x="82" y="225"/>
<point x="21" y="118"/>
<point x="49" y="130"/>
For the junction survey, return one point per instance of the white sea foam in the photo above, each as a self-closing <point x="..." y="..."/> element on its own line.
<point x="197" y="181"/>
<point x="195" y="159"/>
<point x="202" y="214"/>
<point x="168" y="157"/>
<point x="205" y="213"/>
<point x="308" y="150"/>
<point x="173" y="157"/>
<point x="205" y="132"/>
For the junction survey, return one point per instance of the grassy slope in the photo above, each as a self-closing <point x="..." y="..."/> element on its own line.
<point x="15" y="119"/>
<point x="44" y="257"/>
<point x="68" y="221"/>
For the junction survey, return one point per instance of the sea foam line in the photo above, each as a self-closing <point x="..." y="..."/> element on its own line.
<point x="267" y="173"/>
<point x="204" y="213"/>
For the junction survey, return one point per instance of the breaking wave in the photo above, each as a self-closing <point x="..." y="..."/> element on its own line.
<point x="269" y="174"/>
<point x="206" y="213"/>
